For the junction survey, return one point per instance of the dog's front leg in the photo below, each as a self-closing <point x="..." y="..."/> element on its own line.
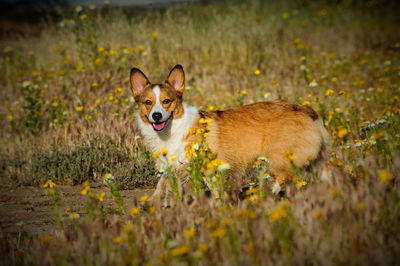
<point x="161" y="187"/>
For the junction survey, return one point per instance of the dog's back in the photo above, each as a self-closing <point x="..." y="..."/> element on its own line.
<point x="272" y="129"/>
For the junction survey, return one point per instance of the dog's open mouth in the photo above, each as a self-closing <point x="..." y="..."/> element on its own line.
<point x="159" y="126"/>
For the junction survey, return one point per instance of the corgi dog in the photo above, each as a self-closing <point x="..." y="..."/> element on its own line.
<point x="238" y="136"/>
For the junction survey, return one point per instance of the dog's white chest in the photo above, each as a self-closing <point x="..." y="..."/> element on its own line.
<point x="171" y="138"/>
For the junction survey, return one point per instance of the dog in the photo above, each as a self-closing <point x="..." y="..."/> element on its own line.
<point x="238" y="136"/>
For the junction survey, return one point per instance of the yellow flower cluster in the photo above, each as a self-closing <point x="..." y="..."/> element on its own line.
<point x="86" y="191"/>
<point x="278" y="213"/>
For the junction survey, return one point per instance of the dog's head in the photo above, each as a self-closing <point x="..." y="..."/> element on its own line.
<point x="159" y="103"/>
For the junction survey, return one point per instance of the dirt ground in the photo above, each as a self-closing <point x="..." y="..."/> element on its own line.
<point x="33" y="207"/>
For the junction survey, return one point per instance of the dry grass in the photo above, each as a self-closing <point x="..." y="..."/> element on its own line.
<point x="67" y="101"/>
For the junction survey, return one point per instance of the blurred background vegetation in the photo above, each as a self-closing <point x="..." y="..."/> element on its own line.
<point x="68" y="115"/>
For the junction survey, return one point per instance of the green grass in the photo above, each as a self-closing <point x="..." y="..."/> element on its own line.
<point x="92" y="160"/>
<point x="68" y="115"/>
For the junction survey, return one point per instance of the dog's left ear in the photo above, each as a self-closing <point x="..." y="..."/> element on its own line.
<point x="176" y="79"/>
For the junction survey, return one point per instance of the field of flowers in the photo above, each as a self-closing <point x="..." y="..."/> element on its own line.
<point x="68" y="118"/>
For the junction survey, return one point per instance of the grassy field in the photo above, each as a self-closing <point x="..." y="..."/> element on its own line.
<point x="68" y="116"/>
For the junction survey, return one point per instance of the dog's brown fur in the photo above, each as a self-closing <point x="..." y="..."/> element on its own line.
<point x="240" y="135"/>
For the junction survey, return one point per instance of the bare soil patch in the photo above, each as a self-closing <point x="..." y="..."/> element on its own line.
<point x="33" y="207"/>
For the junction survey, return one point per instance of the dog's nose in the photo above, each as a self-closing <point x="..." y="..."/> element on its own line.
<point x="157" y="116"/>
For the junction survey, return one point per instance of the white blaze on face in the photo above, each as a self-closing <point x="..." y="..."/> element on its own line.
<point x="158" y="108"/>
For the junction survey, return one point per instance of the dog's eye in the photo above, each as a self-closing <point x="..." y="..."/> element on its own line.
<point x="166" y="101"/>
<point x="148" y="102"/>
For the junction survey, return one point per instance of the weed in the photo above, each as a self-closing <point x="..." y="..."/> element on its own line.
<point x="92" y="160"/>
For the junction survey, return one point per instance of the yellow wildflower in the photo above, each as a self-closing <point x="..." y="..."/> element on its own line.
<point x="134" y="211"/>
<point x="205" y="121"/>
<point x="180" y="251"/>
<point x="278" y="214"/>
<point x="190" y="233"/>
<point x="335" y="191"/>
<point x="318" y="214"/>
<point x="329" y="92"/>
<point x="301" y="183"/>
<point x="342" y="133"/>
<point x="313" y="83"/>
<point x="200" y="131"/>
<point x="306" y="103"/>
<point x="119" y="239"/>
<point x="127" y="228"/>
<point x="74" y="216"/>
<point x="85" y="190"/>
<point x="335" y="162"/>
<point x="25" y="83"/>
<point x="155" y="155"/>
<point x="203" y="248"/>
<point x="46" y="238"/>
<point x="54" y="104"/>
<point x="257" y="72"/>
<point x="360" y="206"/>
<point x="219" y="232"/>
<point x="78" y="8"/>
<point x="100" y="196"/>
<point x="253" y="215"/>
<point x="78" y="108"/>
<point x="223" y="166"/>
<point x="164" y="151"/>
<point x="49" y="184"/>
<point x="86" y="183"/>
<point x="144" y="198"/>
<point x="384" y="177"/>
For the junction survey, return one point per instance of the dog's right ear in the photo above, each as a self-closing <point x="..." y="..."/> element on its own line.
<point x="138" y="82"/>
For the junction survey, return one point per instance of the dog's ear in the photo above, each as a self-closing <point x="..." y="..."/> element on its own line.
<point x="138" y="82"/>
<point x="176" y="79"/>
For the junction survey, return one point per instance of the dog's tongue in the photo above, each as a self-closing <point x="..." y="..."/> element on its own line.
<point x="159" y="126"/>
